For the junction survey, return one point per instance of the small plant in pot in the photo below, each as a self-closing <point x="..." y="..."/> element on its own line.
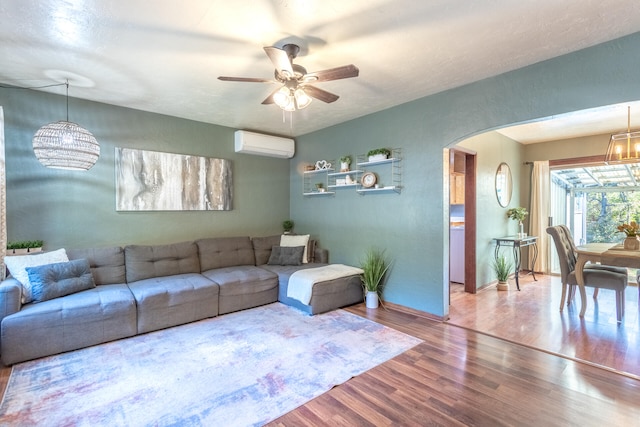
<point x="24" y="246"/>
<point x="502" y="267"/>
<point x="518" y="214"/>
<point x="378" y="154"/>
<point x="345" y="162"/>
<point x="375" y="266"/>
<point x="287" y="226"/>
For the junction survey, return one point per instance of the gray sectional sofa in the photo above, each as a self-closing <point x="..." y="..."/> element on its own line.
<point x="140" y="289"/>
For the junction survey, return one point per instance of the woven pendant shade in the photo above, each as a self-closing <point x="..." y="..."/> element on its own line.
<point x="65" y="145"/>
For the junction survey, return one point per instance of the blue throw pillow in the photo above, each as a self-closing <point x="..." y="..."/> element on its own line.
<point x="62" y="278"/>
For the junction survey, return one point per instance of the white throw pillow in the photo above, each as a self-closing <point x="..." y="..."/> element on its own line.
<point x="296" y="240"/>
<point x="17" y="267"/>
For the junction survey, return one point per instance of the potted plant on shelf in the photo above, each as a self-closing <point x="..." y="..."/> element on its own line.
<point x="518" y="214"/>
<point x="345" y="161"/>
<point x="502" y="268"/>
<point x="631" y="242"/>
<point x="319" y="187"/>
<point x="24" y="247"/>
<point x="378" y="154"/>
<point x="375" y="266"/>
<point x="287" y="226"/>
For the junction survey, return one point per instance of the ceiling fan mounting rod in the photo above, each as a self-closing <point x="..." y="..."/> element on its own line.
<point x="292" y="50"/>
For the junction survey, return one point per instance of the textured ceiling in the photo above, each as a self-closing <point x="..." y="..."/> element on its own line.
<point x="164" y="56"/>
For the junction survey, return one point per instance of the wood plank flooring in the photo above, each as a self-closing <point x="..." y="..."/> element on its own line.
<point x="459" y="376"/>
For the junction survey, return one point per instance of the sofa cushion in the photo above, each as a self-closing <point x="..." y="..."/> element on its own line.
<point x="107" y="264"/>
<point x="243" y="287"/>
<point x="144" y="262"/>
<point x="17" y="267"/>
<point x="262" y="247"/>
<point x="168" y="301"/>
<point x="223" y="252"/>
<point x="297" y="240"/>
<point x="83" y="319"/>
<point x="51" y="281"/>
<point x="286" y="255"/>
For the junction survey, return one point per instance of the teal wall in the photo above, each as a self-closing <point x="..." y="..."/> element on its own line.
<point x="77" y="209"/>
<point x="491" y="149"/>
<point x="413" y="226"/>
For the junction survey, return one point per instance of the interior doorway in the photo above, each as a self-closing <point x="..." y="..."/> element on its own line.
<point x="462" y="219"/>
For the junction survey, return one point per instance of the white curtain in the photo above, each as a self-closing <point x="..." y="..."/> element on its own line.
<point x="3" y="199"/>
<point x="539" y="215"/>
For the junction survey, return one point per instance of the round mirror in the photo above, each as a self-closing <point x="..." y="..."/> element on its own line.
<point x="503" y="184"/>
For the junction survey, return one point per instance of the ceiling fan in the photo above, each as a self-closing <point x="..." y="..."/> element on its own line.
<point x="297" y="88"/>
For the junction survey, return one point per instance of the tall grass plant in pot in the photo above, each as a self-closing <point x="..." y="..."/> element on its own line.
<point x="375" y="266"/>
<point x="502" y="267"/>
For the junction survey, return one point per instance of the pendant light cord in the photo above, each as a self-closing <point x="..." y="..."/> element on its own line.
<point x="67" y="84"/>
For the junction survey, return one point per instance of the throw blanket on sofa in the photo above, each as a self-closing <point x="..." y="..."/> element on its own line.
<point x="301" y="282"/>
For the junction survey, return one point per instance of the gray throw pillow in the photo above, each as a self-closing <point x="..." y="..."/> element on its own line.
<point x="286" y="255"/>
<point x="51" y="281"/>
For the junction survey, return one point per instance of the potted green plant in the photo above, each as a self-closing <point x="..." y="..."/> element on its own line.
<point x="320" y="187"/>
<point x="345" y="161"/>
<point x="378" y="154"/>
<point x="502" y="267"/>
<point x="375" y="266"/>
<point x="287" y="226"/>
<point x="24" y="247"/>
<point x="518" y="214"/>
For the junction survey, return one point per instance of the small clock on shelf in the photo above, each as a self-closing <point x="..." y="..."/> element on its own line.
<point x="368" y="179"/>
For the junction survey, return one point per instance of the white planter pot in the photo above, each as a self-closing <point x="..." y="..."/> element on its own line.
<point x="344" y="167"/>
<point x="372" y="299"/>
<point x="377" y="157"/>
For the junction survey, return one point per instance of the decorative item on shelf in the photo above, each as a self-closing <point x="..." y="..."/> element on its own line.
<point x="375" y="266"/>
<point x="24" y="247"/>
<point x="309" y="168"/>
<point x="349" y="180"/>
<point x="345" y="162"/>
<point x="518" y="214"/>
<point x="378" y="154"/>
<point x="341" y="181"/>
<point x="66" y="145"/>
<point x="631" y="242"/>
<point x="323" y="165"/>
<point x="502" y="268"/>
<point x="320" y="187"/>
<point x="624" y="146"/>
<point x="287" y="226"/>
<point x="368" y="179"/>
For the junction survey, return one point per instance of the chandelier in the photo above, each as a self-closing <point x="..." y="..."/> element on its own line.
<point x="66" y="145"/>
<point x="625" y="146"/>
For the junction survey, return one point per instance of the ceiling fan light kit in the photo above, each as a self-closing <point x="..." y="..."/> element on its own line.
<point x="297" y="90"/>
<point x="624" y="146"/>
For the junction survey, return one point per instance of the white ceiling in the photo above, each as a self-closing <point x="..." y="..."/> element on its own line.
<point x="164" y="56"/>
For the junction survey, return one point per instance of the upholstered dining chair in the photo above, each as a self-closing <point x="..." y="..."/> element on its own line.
<point x="595" y="275"/>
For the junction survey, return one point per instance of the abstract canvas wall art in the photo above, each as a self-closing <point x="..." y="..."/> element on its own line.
<point x="155" y="181"/>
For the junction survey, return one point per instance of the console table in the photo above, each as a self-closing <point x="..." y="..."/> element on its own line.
<point x="517" y="243"/>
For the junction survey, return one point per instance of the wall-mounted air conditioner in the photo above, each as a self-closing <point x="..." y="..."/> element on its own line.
<point x="264" y="145"/>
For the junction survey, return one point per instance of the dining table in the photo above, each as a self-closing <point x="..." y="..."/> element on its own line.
<point x="604" y="253"/>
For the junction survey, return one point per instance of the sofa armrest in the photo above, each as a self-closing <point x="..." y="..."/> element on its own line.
<point x="321" y="255"/>
<point x="10" y="297"/>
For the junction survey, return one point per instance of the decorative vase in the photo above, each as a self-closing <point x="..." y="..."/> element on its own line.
<point x="632" y="243"/>
<point x="521" y="230"/>
<point x="503" y="286"/>
<point x="372" y="299"/>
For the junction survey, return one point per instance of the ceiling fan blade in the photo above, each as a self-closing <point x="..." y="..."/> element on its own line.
<point x="320" y="94"/>
<point x="280" y="60"/>
<point x="269" y="99"/>
<point x="344" y="72"/>
<point x="245" y="79"/>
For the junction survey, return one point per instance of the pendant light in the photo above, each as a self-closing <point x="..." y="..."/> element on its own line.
<point x="625" y="146"/>
<point x="66" y="145"/>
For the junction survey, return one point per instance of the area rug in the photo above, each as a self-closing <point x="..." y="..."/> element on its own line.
<point x="239" y="369"/>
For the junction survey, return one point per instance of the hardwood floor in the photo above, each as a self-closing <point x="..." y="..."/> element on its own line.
<point x="462" y="376"/>
<point x="532" y="317"/>
<point x="459" y="376"/>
